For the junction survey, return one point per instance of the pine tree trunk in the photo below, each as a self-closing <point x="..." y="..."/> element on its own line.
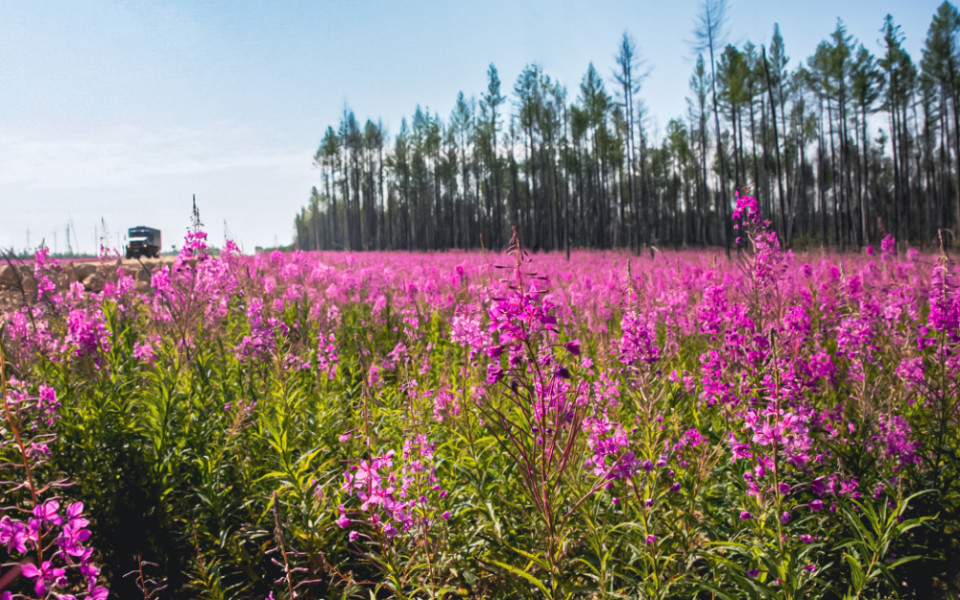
<point x="776" y="137"/>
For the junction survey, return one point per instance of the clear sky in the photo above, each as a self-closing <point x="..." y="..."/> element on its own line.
<point x="121" y="110"/>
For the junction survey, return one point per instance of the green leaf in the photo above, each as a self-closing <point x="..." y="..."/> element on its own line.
<point x="856" y="571"/>
<point x="530" y="578"/>
<point x="533" y="558"/>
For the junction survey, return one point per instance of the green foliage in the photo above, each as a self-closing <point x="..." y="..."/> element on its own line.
<point x="229" y="470"/>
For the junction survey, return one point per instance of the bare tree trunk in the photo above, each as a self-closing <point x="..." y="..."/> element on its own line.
<point x="725" y="202"/>
<point x="776" y="140"/>
<point x="865" y="188"/>
<point x="833" y="181"/>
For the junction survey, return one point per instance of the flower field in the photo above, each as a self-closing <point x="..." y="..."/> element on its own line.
<point x="675" y="424"/>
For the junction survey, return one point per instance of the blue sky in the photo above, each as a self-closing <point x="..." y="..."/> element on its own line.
<point x="119" y="111"/>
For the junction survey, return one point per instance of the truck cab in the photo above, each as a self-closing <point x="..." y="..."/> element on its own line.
<point x="143" y="241"/>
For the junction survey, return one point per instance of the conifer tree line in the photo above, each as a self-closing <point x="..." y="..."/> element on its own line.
<point x="856" y="142"/>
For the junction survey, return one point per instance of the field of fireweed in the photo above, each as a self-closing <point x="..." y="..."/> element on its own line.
<point x="392" y="425"/>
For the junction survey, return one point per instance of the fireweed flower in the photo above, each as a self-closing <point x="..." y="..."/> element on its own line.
<point x="768" y="262"/>
<point x="45" y="575"/>
<point x="44" y="268"/>
<point x="638" y="343"/>
<point x="888" y="247"/>
<point x="944" y="302"/>
<point x="87" y="332"/>
<point x="74" y="532"/>
<point x="47" y="513"/>
<point x="14" y="535"/>
<point x="328" y="356"/>
<point x="265" y="334"/>
<point x="50" y="533"/>
<point x="445" y="404"/>
<point x="48" y="404"/>
<point x="146" y="351"/>
<point x="467" y="330"/>
<point x="607" y="441"/>
<point x="373" y="375"/>
<point x="396" y="493"/>
<point x="780" y="409"/>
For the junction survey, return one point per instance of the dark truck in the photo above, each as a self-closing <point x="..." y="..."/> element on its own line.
<point x="143" y="241"/>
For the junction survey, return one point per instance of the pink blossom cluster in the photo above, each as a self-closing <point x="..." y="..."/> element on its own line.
<point x="45" y="539"/>
<point x="396" y="493"/>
